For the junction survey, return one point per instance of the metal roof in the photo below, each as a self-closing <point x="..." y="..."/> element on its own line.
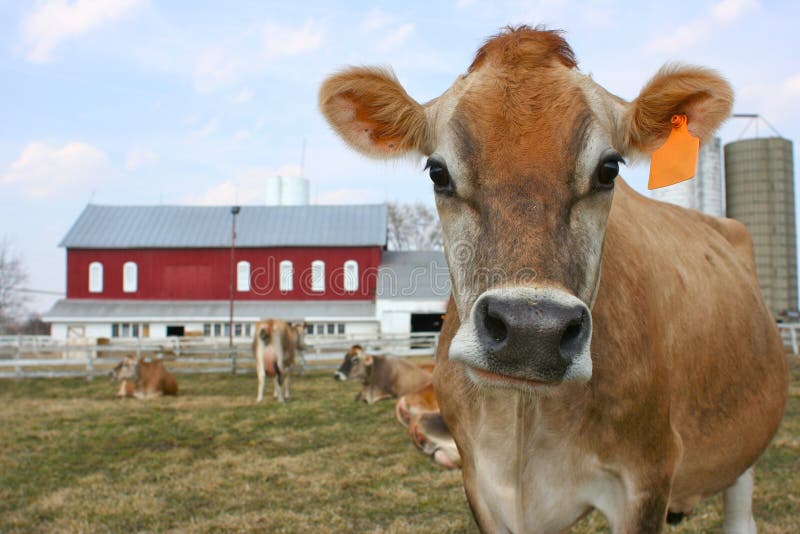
<point x="155" y="310"/>
<point x="210" y="226"/>
<point x="413" y="274"/>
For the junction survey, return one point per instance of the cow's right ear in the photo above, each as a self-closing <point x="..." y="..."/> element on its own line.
<point x="367" y="360"/>
<point x="372" y="112"/>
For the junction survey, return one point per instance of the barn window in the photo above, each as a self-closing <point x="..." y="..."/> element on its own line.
<point x="95" y="277"/>
<point x="350" y="275"/>
<point x="286" y="275"/>
<point x="318" y="275"/>
<point x="243" y="276"/>
<point x="130" y="277"/>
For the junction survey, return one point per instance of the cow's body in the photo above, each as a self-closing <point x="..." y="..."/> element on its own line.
<point x="382" y="377"/>
<point x="419" y="411"/>
<point x="276" y="345"/>
<point x="601" y="349"/>
<point x="143" y="380"/>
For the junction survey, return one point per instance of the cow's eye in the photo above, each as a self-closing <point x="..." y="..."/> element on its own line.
<point x="440" y="177"/>
<point x="607" y="172"/>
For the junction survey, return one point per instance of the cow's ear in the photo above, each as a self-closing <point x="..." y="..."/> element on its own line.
<point x="372" y="112"/>
<point x="701" y="94"/>
<point x="367" y="360"/>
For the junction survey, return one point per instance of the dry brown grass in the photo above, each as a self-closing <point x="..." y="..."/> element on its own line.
<point x="76" y="460"/>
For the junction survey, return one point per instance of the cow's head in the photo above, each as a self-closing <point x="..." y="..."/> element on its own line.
<point x="125" y="370"/>
<point x="523" y="152"/>
<point x="356" y="364"/>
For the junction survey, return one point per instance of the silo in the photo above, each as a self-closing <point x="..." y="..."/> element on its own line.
<point x="294" y="191"/>
<point x="273" y="190"/>
<point x="704" y="191"/>
<point x="759" y="177"/>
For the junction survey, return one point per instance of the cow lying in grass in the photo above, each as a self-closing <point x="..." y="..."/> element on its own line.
<point x="141" y="379"/>
<point x="419" y="411"/>
<point x="383" y="378"/>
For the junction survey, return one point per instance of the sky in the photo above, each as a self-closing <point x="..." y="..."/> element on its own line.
<point x="189" y="102"/>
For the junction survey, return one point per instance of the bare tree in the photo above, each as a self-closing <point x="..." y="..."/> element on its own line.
<point x="414" y="227"/>
<point x="12" y="279"/>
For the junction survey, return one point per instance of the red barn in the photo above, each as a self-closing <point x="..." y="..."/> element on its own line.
<point x="154" y="271"/>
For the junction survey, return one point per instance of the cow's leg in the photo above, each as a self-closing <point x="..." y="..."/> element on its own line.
<point x="261" y="372"/>
<point x="286" y="381"/>
<point x="739" y="506"/>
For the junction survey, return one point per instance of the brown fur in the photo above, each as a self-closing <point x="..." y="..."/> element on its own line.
<point x="143" y="380"/>
<point x="689" y="376"/>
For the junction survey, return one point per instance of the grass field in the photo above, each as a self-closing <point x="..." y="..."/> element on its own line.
<point x="74" y="459"/>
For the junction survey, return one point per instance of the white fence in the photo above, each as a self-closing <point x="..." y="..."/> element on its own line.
<point x="43" y="356"/>
<point x="789" y="335"/>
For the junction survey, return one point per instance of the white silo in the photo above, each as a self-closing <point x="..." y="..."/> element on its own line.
<point x="274" y="190"/>
<point x="294" y="191"/>
<point x="703" y="192"/>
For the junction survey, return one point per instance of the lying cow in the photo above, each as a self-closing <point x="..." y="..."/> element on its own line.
<point x="419" y="411"/>
<point x="601" y="350"/>
<point x="276" y="345"/>
<point x="142" y="379"/>
<point x="383" y="378"/>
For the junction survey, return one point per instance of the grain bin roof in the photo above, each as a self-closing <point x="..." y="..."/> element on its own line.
<point x="113" y="227"/>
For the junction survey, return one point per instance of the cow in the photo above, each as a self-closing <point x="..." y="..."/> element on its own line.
<point x="601" y="350"/>
<point x="141" y="379"/>
<point x="382" y="377"/>
<point x="419" y="411"/>
<point x="276" y="345"/>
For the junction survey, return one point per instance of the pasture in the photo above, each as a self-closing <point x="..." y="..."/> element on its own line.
<point x="74" y="459"/>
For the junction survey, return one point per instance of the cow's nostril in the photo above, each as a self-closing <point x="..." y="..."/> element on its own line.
<point x="496" y="328"/>
<point x="572" y="341"/>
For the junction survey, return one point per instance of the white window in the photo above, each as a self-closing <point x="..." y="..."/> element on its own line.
<point x="350" y="275"/>
<point x="95" y="277"/>
<point x="317" y="275"/>
<point x="243" y="276"/>
<point x="130" y="277"/>
<point x="286" y="275"/>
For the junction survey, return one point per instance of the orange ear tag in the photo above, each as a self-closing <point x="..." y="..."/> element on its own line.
<point x="676" y="160"/>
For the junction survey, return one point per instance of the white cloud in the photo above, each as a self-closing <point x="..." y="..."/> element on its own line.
<point x="779" y="103"/>
<point x="396" y="37"/>
<point x="721" y="14"/>
<point x="286" y="41"/>
<point x="228" y="63"/>
<point x="138" y="158"/>
<point x="206" y="129"/>
<point x="246" y="187"/>
<point x="245" y="95"/>
<point x="350" y="196"/>
<point x="375" y="20"/>
<point x="464" y="3"/>
<point x="54" y="21"/>
<point x="43" y="170"/>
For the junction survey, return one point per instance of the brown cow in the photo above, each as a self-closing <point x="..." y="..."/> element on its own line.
<point x="601" y="349"/>
<point x="142" y="379"/>
<point x="276" y="344"/>
<point x="419" y="411"/>
<point x="383" y="378"/>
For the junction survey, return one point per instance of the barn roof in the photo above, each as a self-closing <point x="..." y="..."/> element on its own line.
<point x="113" y="227"/>
<point x="413" y="274"/>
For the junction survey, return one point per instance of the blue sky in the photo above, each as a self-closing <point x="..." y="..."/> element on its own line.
<point x="146" y="101"/>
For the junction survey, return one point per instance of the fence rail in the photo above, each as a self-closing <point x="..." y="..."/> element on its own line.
<point x="42" y="356"/>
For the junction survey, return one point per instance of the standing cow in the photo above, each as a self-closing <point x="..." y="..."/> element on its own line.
<point x="276" y="345"/>
<point x="141" y="379"/>
<point x="601" y="349"/>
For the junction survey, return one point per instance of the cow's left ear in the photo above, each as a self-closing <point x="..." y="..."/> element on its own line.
<point x="367" y="360"/>
<point x="701" y="94"/>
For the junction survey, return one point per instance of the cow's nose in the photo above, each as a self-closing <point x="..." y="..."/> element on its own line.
<point x="338" y="375"/>
<point x="545" y="332"/>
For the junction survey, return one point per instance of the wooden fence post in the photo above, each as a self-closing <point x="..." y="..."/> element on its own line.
<point x="793" y="335"/>
<point x="18" y="356"/>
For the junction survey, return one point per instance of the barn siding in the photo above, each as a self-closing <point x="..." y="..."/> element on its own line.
<point x="204" y="274"/>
